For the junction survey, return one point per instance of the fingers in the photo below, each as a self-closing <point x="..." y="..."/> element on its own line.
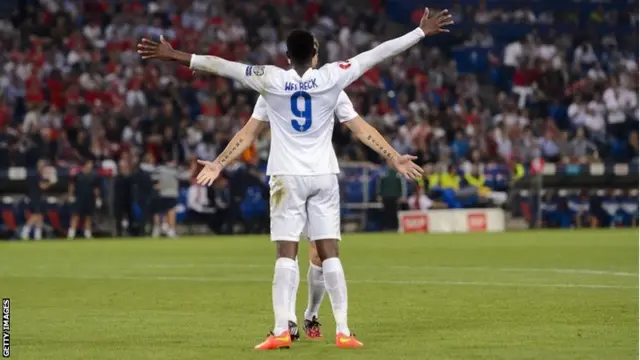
<point x="162" y="39"/>
<point x="410" y="157"/>
<point x="426" y="12"/>
<point x="205" y="178"/>
<point x="444" y="19"/>
<point x="411" y="174"/>
<point x="148" y="42"/>
<point x="146" y="47"/>
<point x="205" y="162"/>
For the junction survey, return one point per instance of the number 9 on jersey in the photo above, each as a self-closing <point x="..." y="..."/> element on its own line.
<point x="301" y="112"/>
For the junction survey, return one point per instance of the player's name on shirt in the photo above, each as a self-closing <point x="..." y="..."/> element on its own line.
<point x="300" y="86"/>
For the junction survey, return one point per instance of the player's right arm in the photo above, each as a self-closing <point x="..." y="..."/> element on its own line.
<point x="248" y="75"/>
<point x="352" y="69"/>
<point x="238" y="144"/>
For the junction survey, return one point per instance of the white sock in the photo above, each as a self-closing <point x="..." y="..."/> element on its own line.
<point x="87" y="234"/>
<point x="315" y="280"/>
<point x="37" y="234"/>
<point x="336" y="286"/>
<point x="71" y="233"/>
<point x="283" y="278"/>
<point x="171" y="232"/>
<point x="294" y="294"/>
<point x="26" y="230"/>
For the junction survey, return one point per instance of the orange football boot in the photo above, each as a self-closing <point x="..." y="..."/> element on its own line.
<point x="282" y="341"/>
<point x="347" y="342"/>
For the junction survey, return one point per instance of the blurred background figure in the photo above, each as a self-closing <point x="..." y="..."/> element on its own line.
<point x="223" y="220"/>
<point x="123" y="204"/>
<point x="85" y="195"/>
<point x="199" y="207"/>
<point x="38" y="184"/>
<point x="420" y="201"/>
<point x="164" y="204"/>
<point x="144" y="192"/>
<point x="390" y="190"/>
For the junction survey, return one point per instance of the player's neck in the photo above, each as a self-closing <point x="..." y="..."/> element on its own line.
<point x="301" y="69"/>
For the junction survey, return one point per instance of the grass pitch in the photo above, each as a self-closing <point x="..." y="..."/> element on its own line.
<point x="526" y="295"/>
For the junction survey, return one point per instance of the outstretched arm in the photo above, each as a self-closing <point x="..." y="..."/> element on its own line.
<point x="248" y="75"/>
<point x="362" y="62"/>
<point x="369" y="136"/>
<point x="238" y="144"/>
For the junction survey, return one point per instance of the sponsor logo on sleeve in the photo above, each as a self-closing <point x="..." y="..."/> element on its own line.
<point x="258" y="70"/>
<point x="344" y="65"/>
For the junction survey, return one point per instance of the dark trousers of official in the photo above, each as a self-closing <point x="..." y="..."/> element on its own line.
<point x="223" y="221"/>
<point x="121" y="212"/>
<point x="204" y="218"/>
<point x="389" y="213"/>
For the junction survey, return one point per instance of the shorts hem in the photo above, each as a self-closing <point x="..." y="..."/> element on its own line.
<point x="285" y="238"/>
<point x="324" y="237"/>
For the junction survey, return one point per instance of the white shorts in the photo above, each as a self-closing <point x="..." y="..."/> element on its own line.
<point x="299" y="202"/>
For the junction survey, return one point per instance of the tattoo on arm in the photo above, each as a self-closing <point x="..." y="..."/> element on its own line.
<point x="381" y="149"/>
<point x="229" y="152"/>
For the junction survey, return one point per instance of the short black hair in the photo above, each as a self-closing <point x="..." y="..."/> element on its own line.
<point x="301" y="46"/>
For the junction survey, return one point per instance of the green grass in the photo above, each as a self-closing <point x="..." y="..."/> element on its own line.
<point x="526" y="295"/>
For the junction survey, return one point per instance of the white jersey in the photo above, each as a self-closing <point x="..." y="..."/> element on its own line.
<point x="300" y="108"/>
<point x="281" y="164"/>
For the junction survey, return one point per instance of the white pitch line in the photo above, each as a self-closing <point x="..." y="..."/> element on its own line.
<point x="461" y="268"/>
<point x="385" y="282"/>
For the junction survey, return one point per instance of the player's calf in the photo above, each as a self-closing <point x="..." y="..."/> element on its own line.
<point x="336" y="286"/>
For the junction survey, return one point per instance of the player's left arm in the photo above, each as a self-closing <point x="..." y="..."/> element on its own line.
<point x="371" y="137"/>
<point x="248" y="75"/>
<point x="358" y="65"/>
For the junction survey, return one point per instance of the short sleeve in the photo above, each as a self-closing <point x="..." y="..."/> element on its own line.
<point x="260" y="110"/>
<point x="344" y="108"/>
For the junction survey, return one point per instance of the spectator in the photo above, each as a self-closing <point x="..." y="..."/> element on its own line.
<point x="390" y="189"/>
<point x="577" y="111"/>
<point x="618" y="102"/>
<point x="420" y="201"/>
<point x="581" y="148"/>
<point x="123" y="199"/>
<point x="35" y="221"/>
<point x="199" y="207"/>
<point x="166" y="177"/>
<point x="85" y="196"/>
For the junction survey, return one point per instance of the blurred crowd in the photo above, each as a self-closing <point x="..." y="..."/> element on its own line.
<point x="510" y="84"/>
<point x="72" y="86"/>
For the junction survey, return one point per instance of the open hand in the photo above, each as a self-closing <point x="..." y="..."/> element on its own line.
<point x="209" y="172"/>
<point x="435" y="25"/>
<point x="404" y="165"/>
<point x="150" y="49"/>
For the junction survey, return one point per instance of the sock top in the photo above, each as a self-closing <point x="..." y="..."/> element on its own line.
<point x="332" y="264"/>
<point x="286" y="263"/>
